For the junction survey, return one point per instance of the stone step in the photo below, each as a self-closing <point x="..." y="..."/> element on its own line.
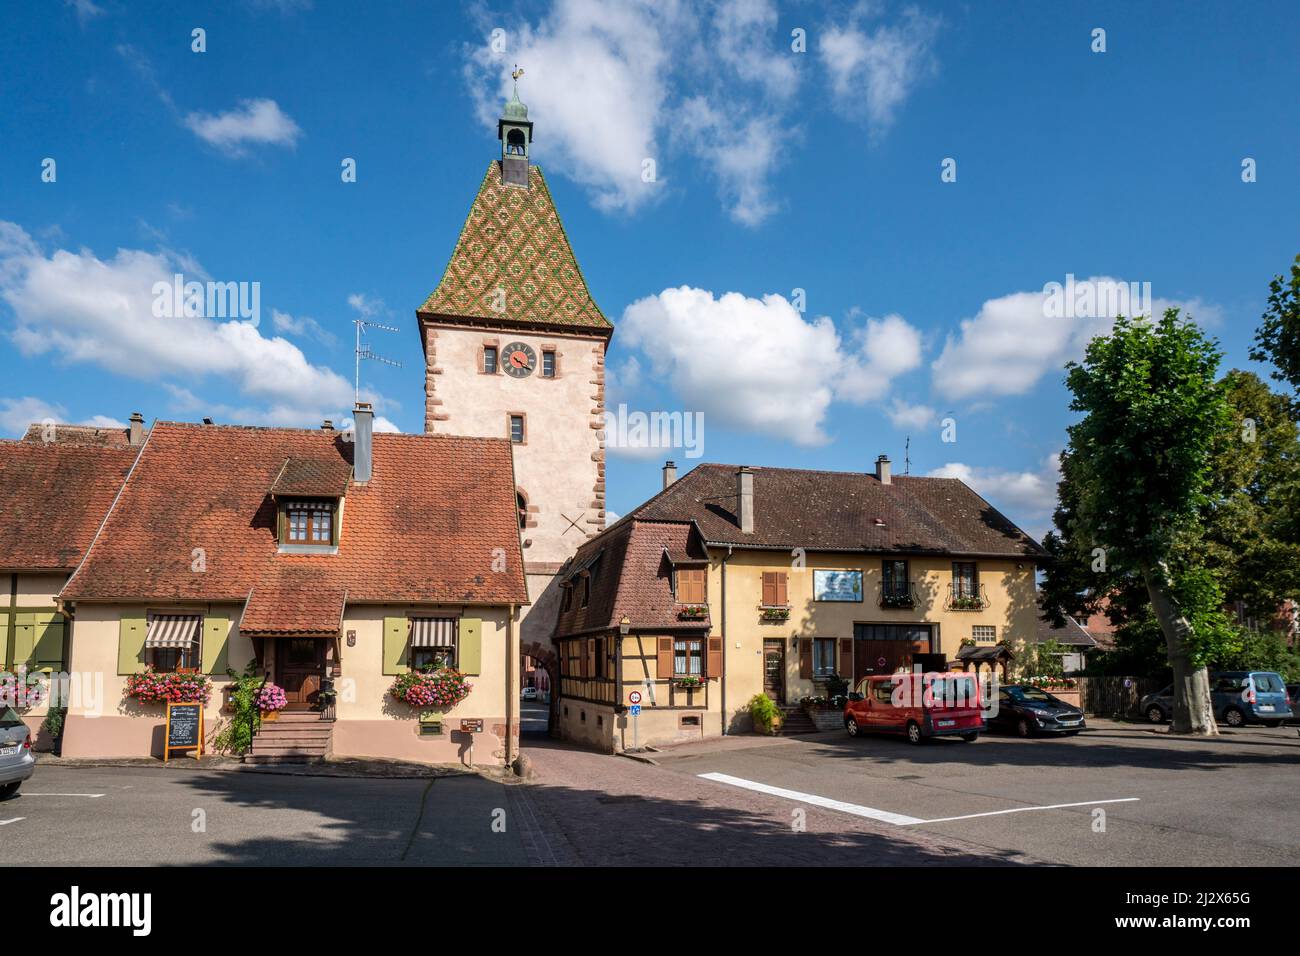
<point x="289" y="749"/>
<point x="297" y="759"/>
<point x="296" y="728"/>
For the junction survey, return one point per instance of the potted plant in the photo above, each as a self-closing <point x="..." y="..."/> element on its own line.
<point x="688" y="682"/>
<point x="442" y="688"/>
<point x="180" y="687"/>
<point x="765" y="714"/>
<point x="271" y="699"/>
<point x="693" y="612"/>
<point x="774" y="613"/>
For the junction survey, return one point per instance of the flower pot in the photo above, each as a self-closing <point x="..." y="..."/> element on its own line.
<point x="269" y="715"/>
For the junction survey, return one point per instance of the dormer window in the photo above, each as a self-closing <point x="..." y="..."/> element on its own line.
<point x="310" y="522"/>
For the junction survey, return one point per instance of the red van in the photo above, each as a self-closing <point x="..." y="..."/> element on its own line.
<point x="918" y="705"/>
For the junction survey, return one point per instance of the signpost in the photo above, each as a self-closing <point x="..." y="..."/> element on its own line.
<point x="184" y="729"/>
<point x="471" y="726"/>
<point x="634" y="700"/>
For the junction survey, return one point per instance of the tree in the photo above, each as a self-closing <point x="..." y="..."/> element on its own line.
<point x="1278" y="339"/>
<point x="1139" y="476"/>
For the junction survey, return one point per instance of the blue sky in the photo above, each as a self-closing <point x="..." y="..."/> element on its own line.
<point x="774" y="171"/>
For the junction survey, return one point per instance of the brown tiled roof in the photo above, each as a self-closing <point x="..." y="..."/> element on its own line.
<point x="293" y="602"/>
<point x="88" y="435"/>
<point x="1072" y="633"/>
<point x="424" y="529"/>
<point x="53" y="498"/>
<point x="836" y="510"/>
<point x="513" y="240"/>
<point x="632" y="577"/>
<point x="327" y="477"/>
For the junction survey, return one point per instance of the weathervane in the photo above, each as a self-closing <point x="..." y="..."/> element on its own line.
<point x="365" y="352"/>
<point x="516" y="74"/>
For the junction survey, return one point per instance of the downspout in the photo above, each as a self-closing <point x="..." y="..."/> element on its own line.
<point x="722" y="679"/>
<point x="510" y="682"/>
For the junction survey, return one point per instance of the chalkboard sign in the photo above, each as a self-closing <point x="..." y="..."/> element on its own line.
<point x="184" y="729"/>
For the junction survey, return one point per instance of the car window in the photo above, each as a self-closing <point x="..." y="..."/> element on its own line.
<point x="8" y="718"/>
<point x="883" y="690"/>
<point x="1167" y="692"/>
<point x="1267" y="683"/>
<point x="1229" y="683"/>
<point x="1031" y="693"/>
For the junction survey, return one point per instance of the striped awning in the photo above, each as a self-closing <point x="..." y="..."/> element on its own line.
<point x="433" y="632"/>
<point x="172" y="630"/>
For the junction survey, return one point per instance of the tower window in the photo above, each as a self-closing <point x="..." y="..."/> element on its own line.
<point x="517" y="429"/>
<point x="489" y="360"/>
<point x="522" y="505"/>
<point x="515" y="142"/>
<point x="548" y="365"/>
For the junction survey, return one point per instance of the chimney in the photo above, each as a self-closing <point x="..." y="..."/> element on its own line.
<point x="137" y="429"/>
<point x="670" y="473"/>
<point x="363" y="423"/>
<point x="882" y="469"/>
<point x="745" y="499"/>
<point x="327" y="425"/>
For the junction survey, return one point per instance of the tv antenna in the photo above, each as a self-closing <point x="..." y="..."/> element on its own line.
<point x="907" y="456"/>
<point x="365" y="352"/>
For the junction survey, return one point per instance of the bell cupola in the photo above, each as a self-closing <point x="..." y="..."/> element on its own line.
<point x="515" y="131"/>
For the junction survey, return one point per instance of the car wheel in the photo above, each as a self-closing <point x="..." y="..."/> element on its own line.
<point x="971" y="737"/>
<point x="1234" y="717"/>
<point x="1156" y="715"/>
<point x="9" y="789"/>
<point x="1023" y="729"/>
<point x="851" y="726"/>
<point x="914" y="735"/>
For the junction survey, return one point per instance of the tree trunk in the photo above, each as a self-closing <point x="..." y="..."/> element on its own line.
<point x="1193" y="712"/>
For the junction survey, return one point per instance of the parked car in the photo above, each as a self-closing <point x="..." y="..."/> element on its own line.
<point x="1028" y="711"/>
<point x="16" y="757"/>
<point x="917" y="706"/>
<point x="1237" y="697"/>
<point x="528" y="693"/>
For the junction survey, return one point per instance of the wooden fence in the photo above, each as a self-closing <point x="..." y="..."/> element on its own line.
<point x="1115" y="696"/>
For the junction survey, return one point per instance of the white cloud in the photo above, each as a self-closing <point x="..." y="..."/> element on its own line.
<point x="83" y="309"/>
<point x="86" y="10"/>
<point x="740" y="153"/>
<point x="1027" y="497"/>
<point x="1012" y="342"/>
<point x="259" y="122"/>
<point x="17" y="413"/>
<point x="759" y="364"/>
<point x="301" y="325"/>
<point x="365" y="306"/>
<point x="872" y="71"/>
<point x="103" y="421"/>
<point x="907" y="416"/>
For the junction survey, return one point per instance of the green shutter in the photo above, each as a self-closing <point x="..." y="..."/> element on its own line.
<point x="396" y="634"/>
<point x="216" y="644"/>
<point x="24" y="638"/>
<point x="469" y="645"/>
<point x="130" y="645"/>
<point x="48" y="648"/>
<point x="4" y="641"/>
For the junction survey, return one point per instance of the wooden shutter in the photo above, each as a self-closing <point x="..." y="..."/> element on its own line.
<point x="4" y="642"/>
<point x="690" y="586"/>
<point x="24" y="637"/>
<point x="47" y="648"/>
<point x="130" y="645"/>
<point x="769" y="588"/>
<point x="396" y="637"/>
<point x="713" y="666"/>
<point x="782" y="595"/>
<point x="470" y="644"/>
<point x="845" y="664"/>
<point x="805" y="658"/>
<point x="665" y="663"/>
<point x="216" y="644"/>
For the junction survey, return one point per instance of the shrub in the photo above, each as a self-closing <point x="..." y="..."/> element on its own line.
<point x="236" y="737"/>
<point x="271" y="697"/>
<point x="764" y="712"/>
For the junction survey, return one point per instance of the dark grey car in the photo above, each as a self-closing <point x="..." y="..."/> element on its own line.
<point x="1237" y="697"/>
<point x="16" y="757"/>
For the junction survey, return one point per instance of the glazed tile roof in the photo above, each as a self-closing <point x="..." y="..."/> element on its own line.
<point x="424" y="529"/>
<point x="513" y="240"/>
<point x="327" y="477"/>
<point x="848" y="511"/>
<point x="632" y="577"/>
<point x="53" y="498"/>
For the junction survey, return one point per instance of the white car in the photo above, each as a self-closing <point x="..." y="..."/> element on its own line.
<point x="16" y="757"/>
<point x="529" y="693"/>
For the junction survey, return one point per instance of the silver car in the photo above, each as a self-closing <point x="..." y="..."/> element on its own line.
<point x="16" y="756"/>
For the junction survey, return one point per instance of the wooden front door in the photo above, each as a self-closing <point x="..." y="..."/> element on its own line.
<point x="300" y="665"/>
<point x="774" y="670"/>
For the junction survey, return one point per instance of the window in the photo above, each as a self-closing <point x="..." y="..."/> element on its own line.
<point x="548" y="365"/>
<point x="895" y="580"/>
<point x="692" y="586"/>
<point x="965" y="581"/>
<point x="984" y="633"/>
<point x="489" y="359"/>
<point x="433" y="643"/>
<point x="884" y="691"/>
<point x="567" y="601"/>
<point x="517" y="429"/>
<point x="167" y="660"/>
<point x="823" y="657"/>
<point x="309" y="522"/>
<point x="522" y="505"/>
<point x="586" y="590"/>
<point x="174" y="642"/>
<point x="688" y="658"/>
<point x="775" y="589"/>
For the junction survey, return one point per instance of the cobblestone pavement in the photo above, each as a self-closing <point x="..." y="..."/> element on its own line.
<point x="590" y="809"/>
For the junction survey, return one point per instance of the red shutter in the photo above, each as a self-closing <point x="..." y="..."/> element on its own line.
<point x="583" y="661"/>
<point x="713" y="666"/>
<point x="782" y="598"/>
<point x="665" y="663"/>
<point x="769" y="588"/>
<point x="805" y="658"/>
<point x="845" y="668"/>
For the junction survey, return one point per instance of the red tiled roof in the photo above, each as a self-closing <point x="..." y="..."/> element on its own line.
<point x="632" y="577"/>
<point x="293" y="602"/>
<point x="835" y="510"/>
<point x="53" y="498"/>
<point x="327" y="477"/>
<point x="88" y="435"/>
<point x="425" y="528"/>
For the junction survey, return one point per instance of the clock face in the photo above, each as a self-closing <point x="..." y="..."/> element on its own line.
<point x="518" y="359"/>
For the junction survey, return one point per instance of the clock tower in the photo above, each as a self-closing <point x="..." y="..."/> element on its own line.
<point x="514" y="348"/>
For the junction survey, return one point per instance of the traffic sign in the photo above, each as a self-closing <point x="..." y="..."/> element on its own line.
<point x="634" y="697"/>
<point x="635" y="710"/>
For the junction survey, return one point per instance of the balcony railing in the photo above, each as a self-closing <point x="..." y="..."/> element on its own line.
<point x="898" y="596"/>
<point x="965" y="599"/>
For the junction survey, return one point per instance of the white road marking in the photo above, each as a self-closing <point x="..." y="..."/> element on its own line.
<point x="1054" y="806"/>
<point x="26" y="794"/>
<point x="898" y="819"/>
<point x="14" y="820"/>
<point x="885" y="816"/>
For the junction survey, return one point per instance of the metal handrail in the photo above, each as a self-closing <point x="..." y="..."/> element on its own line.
<point x="960" y="601"/>
<point x="906" y="599"/>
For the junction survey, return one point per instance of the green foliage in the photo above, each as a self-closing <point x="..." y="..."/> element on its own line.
<point x="53" y="722"/>
<point x="1278" y="338"/>
<point x="1261" y="650"/>
<point x="236" y="737"/>
<point x="764" y="712"/>
<point x="1041" y="659"/>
